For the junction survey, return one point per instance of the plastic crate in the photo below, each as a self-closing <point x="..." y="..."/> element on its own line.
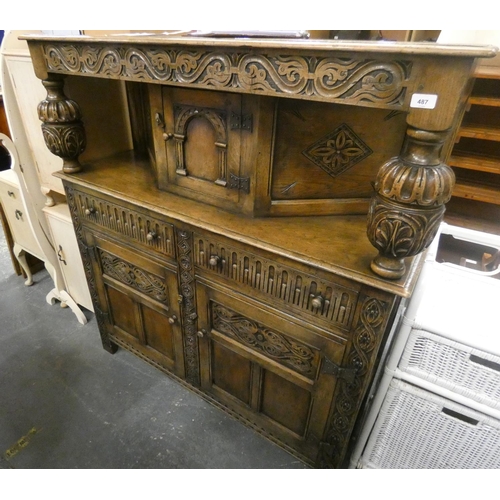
<point x="416" y="429"/>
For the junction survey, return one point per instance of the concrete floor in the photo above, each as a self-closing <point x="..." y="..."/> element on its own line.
<point x="67" y="403"/>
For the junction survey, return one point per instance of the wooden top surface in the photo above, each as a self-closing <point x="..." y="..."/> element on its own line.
<point x="336" y="244"/>
<point x="389" y="47"/>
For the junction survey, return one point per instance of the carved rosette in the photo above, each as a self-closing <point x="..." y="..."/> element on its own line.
<point x="62" y="128"/>
<point x="409" y="202"/>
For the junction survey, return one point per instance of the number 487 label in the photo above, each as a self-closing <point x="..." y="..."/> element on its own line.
<point x="425" y="101"/>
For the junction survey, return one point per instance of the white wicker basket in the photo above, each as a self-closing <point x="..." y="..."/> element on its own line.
<point x="416" y="429"/>
<point x="462" y="369"/>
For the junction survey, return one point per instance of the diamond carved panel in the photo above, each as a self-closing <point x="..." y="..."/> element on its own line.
<point x="338" y="151"/>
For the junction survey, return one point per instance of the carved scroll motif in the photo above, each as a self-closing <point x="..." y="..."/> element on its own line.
<point x="187" y="287"/>
<point x="134" y="277"/>
<point x="273" y="344"/>
<point x="367" y="336"/>
<point x="345" y="79"/>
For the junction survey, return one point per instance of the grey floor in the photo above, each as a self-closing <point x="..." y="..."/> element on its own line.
<point x="67" y="403"/>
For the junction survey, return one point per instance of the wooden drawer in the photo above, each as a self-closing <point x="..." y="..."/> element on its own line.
<point x="137" y="302"/>
<point x="134" y="225"/>
<point x="312" y="295"/>
<point x="263" y="364"/>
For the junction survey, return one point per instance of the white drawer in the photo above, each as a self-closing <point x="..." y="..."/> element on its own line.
<point x="416" y="429"/>
<point x="469" y="372"/>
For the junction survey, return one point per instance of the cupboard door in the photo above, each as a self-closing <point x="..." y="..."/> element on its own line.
<point x="203" y="141"/>
<point x="267" y="367"/>
<point x="138" y="297"/>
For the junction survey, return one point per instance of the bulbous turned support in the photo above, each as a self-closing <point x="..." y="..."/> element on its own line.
<point x="62" y="128"/>
<point x="409" y="202"/>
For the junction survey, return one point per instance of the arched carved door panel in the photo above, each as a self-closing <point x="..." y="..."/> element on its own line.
<point x="203" y="141"/>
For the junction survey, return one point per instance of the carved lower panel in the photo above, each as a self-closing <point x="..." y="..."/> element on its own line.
<point x="152" y="233"/>
<point x="306" y="293"/>
<point x="366" y="339"/>
<point x="133" y="276"/>
<point x="343" y="79"/>
<point x="188" y="307"/>
<point x="259" y="338"/>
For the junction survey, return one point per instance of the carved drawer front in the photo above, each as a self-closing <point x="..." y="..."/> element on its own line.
<point x="134" y="225"/>
<point x="271" y="371"/>
<point x="138" y="303"/>
<point x="298" y="291"/>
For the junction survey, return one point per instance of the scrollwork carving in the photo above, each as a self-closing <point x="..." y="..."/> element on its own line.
<point x="357" y="81"/>
<point x="260" y="338"/>
<point x="134" y="277"/>
<point x="188" y="306"/>
<point x="367" y="337"/>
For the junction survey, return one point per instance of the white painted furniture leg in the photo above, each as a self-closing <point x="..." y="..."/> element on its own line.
<point x="21" y="258"/>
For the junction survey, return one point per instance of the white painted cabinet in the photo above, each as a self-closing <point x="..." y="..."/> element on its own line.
<point x="66" y="246"/>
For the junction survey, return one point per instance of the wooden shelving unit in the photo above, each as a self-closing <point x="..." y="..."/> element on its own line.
<point x="475" y="158"/>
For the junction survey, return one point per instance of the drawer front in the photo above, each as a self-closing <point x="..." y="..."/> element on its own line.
<point x="416" y="429"/>
<point x="17" y="217"/>
<point x="316" y="298"/>
<point x="454" y="366"/>
<point x="137" y="301"/>
<point x="132" y="224"/>
<point x="270" y="370"/>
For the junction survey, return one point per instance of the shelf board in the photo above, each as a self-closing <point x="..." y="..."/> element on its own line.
<point x="478" y="192"/>
<point x="492" y="72"/>
<point x="485" y="101"/>
<point x="479" y="132"/>
<point x="475" y="162"/>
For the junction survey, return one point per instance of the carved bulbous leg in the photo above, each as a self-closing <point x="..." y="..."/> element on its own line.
<point x="62" y="128"/>
<point x="408" y="205"/>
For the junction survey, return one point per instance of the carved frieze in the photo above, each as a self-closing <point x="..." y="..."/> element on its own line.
<point x="345" y="79"/>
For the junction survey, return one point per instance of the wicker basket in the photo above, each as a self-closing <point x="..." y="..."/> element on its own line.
<point x="416" y="429"/>
<point x="472" y="373"/>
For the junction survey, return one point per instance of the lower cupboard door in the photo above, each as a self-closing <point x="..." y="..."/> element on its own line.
<point x="138" y="296"/>
<point x="267" y="368"/>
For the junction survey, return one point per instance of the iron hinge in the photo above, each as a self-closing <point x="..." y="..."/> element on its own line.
<point x="239" y="183"/>
<point x="241" y="122"/>
<point x="345" y="373"/>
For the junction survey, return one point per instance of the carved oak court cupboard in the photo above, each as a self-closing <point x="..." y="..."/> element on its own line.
<point x="230" y="248"/>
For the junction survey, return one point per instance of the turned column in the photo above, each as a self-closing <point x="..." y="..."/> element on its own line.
<point x="62" y="127"/>
<point x="408" y="205"/>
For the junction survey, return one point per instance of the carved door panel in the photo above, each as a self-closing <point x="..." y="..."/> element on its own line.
<point x="203" y="135"/>
<point x="267" y="368"/>
<point x="138" y="301"/>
